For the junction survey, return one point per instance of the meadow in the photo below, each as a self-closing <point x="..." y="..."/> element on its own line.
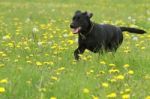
<point x="37" y="45"/>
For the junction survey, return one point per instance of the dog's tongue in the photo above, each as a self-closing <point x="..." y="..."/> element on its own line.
<point x="76" y="30"/>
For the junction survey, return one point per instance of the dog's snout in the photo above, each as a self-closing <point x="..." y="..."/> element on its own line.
<point x="71" y="25"/>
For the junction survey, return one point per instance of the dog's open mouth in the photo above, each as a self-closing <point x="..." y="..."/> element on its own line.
<point x="76" y="30"/>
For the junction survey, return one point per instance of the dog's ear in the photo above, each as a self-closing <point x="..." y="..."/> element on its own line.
<point x="78" y="11"/>
<point x="88" y="14"/>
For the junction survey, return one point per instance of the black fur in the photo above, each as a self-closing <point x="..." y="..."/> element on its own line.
<point x="97" y="37"/>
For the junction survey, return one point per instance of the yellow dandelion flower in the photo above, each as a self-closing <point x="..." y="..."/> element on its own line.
<point x="38" y="63"/>
<point x="28" y="61"/>
<point x="85" y="90"/>
<point x="94" y="97"/>
<point x="120" y="77"/>
<point x="4" y="81"/>
<point x="114" y="71"/>
<point x="148" y="97"/>
<point x="125" y="96"/>
<point x="70" y="42"/>
<point x="101" y="72"/>
<point x="61" y="68"/>
<point x="53" y="47"/>
<point x="3" y="55"/>
<point x="112" y="95"/>
<point x="126" y="51"/>
<point x="128" y="90"/>
<point x="103" y="62"/>
<point x="105" y="85"/>
<point x="137" y="45"/>
<point x="1" y="65"/>
<point x="112" y="80"/>
<point x="131" y="72"/>
<point x="54" y="78"/>
<point x="6" y="37"/>
<point x="112" y="65"/>
<point x="126" y="65"/>
<point x="2" y="89"/>
<point x="53" y="97"/>
<point x="142" y="48"/>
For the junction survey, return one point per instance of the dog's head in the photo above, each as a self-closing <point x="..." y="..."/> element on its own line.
<point x="80" y="21"/>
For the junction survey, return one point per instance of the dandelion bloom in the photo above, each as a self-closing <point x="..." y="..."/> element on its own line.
<point x="105" y="85"/>
<point x="126" y="66"/>
<point x="54" y="78"/>
<point x="95" y="97"/>
<point x="4" y="81"/>
<point x="38" y="63"/>
<point x="131" y="72"/>
<point x="112" y="95"/>
<point x="125" y="96"/>
<point x="53" y="97"/>
<point x="103" y="62"/>
<point x="148" y="97"/>
<point x="120" y="77"/>
<point x="2" y="89"/>
<point x="85" y="90"/>
<point x="112" y="65"/>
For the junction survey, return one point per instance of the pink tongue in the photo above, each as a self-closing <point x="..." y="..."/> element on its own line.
<point x="75" y="30"/>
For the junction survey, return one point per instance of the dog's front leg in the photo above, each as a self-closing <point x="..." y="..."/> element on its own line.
<point x="78" y="51"/>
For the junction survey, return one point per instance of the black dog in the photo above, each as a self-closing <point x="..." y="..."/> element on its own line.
<point x="97" y="37"/>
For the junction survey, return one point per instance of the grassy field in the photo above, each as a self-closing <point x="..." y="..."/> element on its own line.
<point x="36" y="51"/>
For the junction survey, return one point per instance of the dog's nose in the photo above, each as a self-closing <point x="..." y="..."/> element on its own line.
<point x="71" y="25"/>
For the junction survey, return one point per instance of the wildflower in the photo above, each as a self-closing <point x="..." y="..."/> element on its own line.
<point x="112" y="80"/>
<point x="85" y="90"/>
<point x="148" y="97"/>
<point x="112" y="95"/>
<point x="112" y="65"/>
<point x="65" y="35"/>
<point x="137" y="45"/>
<point x="126" y="66"/>
<point x="38" y="63"/>
<point x="135" y="38"/>
<point x="70" y="42"/>
<point x="61" y="68"/>
<point x="42" y="89"/>
<point x="131" y="72"/>
<point x="127" y="90"/>
<point x="2" y="89"/>
<point x="95" y="97"/>
<point x="1" y="65"/>
<point x="6" y="37"/>
<point x="103" y="62"/>
<point x="126" y="51"/>
<point x="28" y="61"/>
<point x="40" y="43"/>
<point x="54" y="78"/>
<point x="125" y="96"/>
<point x="114" y="71"/>
<point x="120" y="77"/>
<point x="4" y="80"/>
<point x="35" y="29"/>
<point x="105" y="85"/>
<point x="53" y="97"/>
<point x="142" y="48"/>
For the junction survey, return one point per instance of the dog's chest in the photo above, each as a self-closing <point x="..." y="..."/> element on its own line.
<point x="89" y="42"/>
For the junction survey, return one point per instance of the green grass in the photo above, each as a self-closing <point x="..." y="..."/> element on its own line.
<point x="40" y="65"/>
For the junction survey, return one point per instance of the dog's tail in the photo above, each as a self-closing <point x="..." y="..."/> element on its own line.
<point x="133" y="30"/>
